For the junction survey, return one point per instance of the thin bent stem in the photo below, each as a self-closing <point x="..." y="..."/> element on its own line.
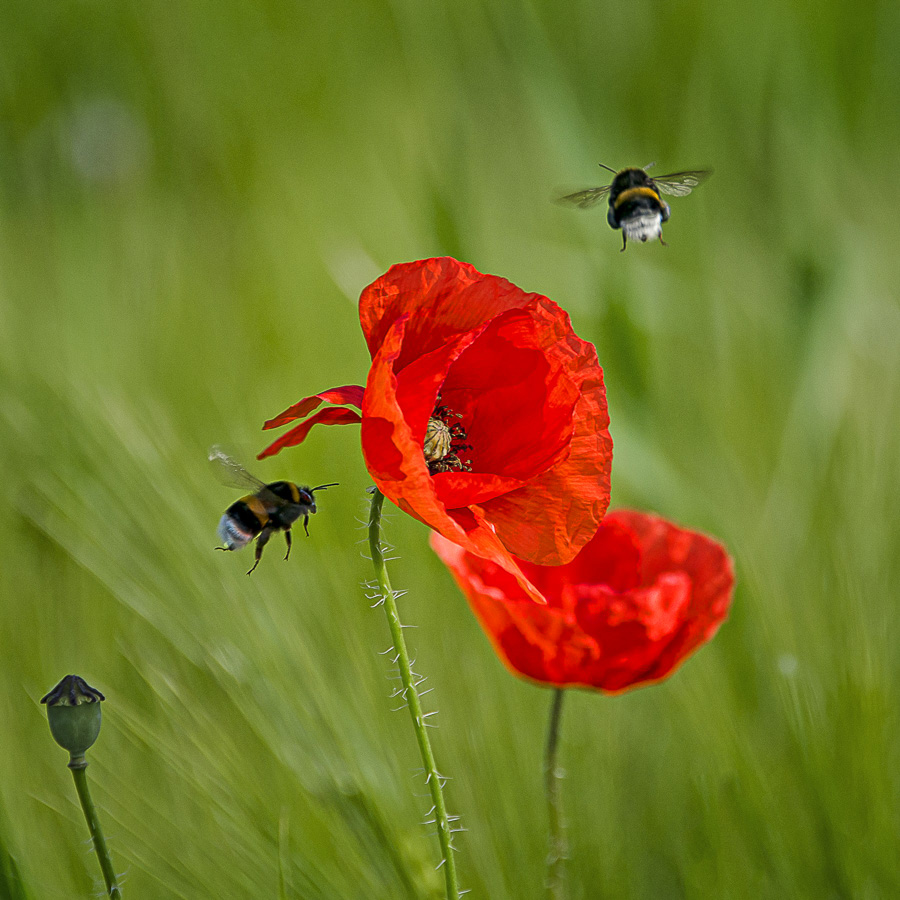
<point x="432" y="777"/>
<point x="78" y="764"/>
<point x="553" y="775"/>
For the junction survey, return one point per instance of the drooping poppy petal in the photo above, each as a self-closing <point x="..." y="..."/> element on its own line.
<point x="334" y="415"/>
<point x="348" y="395"/>
<point x="517" y="399"/>
<point x="639" y="599"/>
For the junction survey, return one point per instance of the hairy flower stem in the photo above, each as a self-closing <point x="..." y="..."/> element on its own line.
<point x="553" y="775"/>
<point x="78" y="764"/>
<point x="432" y="777"/>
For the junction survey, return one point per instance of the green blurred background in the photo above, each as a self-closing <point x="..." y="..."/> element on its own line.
<point x="193" y="195"/>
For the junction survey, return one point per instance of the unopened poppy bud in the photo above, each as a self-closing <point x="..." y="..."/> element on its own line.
<point x="73" y="710"/>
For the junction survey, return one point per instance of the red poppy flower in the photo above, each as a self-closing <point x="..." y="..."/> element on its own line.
<point x="637" y="600"/>
<point x="483" y="415"/>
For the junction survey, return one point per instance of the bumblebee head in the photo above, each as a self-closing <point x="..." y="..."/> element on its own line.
<point x="307" y="495"/>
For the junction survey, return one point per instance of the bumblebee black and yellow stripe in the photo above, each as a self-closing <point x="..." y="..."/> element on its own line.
<point x="286" y="490"/>
<point x="249" y="513"/>
<point x="633" y="193"/>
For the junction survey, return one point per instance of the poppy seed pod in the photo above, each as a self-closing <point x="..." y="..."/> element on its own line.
<point x="73" y="710"/>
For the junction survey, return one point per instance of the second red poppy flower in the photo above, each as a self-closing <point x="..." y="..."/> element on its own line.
<point x="639" y="599"/>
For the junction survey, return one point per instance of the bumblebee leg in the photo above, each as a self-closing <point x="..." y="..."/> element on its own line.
<point x="221" y="548"/>
<point x="287" y="539"/>
<point x="662" y="241"/>
<point x="261" y="542"/>
<point x="624" y="242"/>
<point x="306" y="525"/>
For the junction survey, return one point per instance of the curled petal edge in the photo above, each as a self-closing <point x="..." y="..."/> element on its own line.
<point x="334" y="415"/>
<point x="348" y="395"/>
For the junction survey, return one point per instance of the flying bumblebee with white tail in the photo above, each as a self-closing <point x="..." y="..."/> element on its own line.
<point x="271" y="507"/>
<point x="635" y="204"/>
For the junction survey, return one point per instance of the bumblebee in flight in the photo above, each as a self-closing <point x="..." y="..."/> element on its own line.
<point x="271" y="507"/>
<point x="634" y="202"/>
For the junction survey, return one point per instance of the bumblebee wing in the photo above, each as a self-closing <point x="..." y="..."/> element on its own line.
<point x="229" y="471"/>
<point x="587" y="198"/>
<point x="680" y="184"/>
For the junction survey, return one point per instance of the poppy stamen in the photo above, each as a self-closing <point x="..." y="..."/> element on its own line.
<point x="445" y="442"/>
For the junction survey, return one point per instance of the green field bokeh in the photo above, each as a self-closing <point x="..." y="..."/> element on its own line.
<point x="193" y="195"/>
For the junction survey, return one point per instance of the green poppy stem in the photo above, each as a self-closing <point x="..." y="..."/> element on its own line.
<point x="78" y="764"/>
<point x="553" y="776"/>
<point x="433" y="778"/>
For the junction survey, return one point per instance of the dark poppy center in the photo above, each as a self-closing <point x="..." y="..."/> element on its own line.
<point x="445" y="442"/>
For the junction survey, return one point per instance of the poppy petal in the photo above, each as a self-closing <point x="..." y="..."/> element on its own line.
<point x="558" y="512"/>
<point x="334" y="415"/>
<point x="419" y="382"/>
<point x="515" y="399"/>
<point x="348" y="395"/>
<point x="459" y="489"/>
<point x="666" y="548"/>
<point x="445" y="298"/>
<point x="634" y="629"/>
<point x="612" y="557"/>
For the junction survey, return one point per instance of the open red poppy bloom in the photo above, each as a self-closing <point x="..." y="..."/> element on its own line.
<point x="638" y="599"/>
<point x="483" y="415"/>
